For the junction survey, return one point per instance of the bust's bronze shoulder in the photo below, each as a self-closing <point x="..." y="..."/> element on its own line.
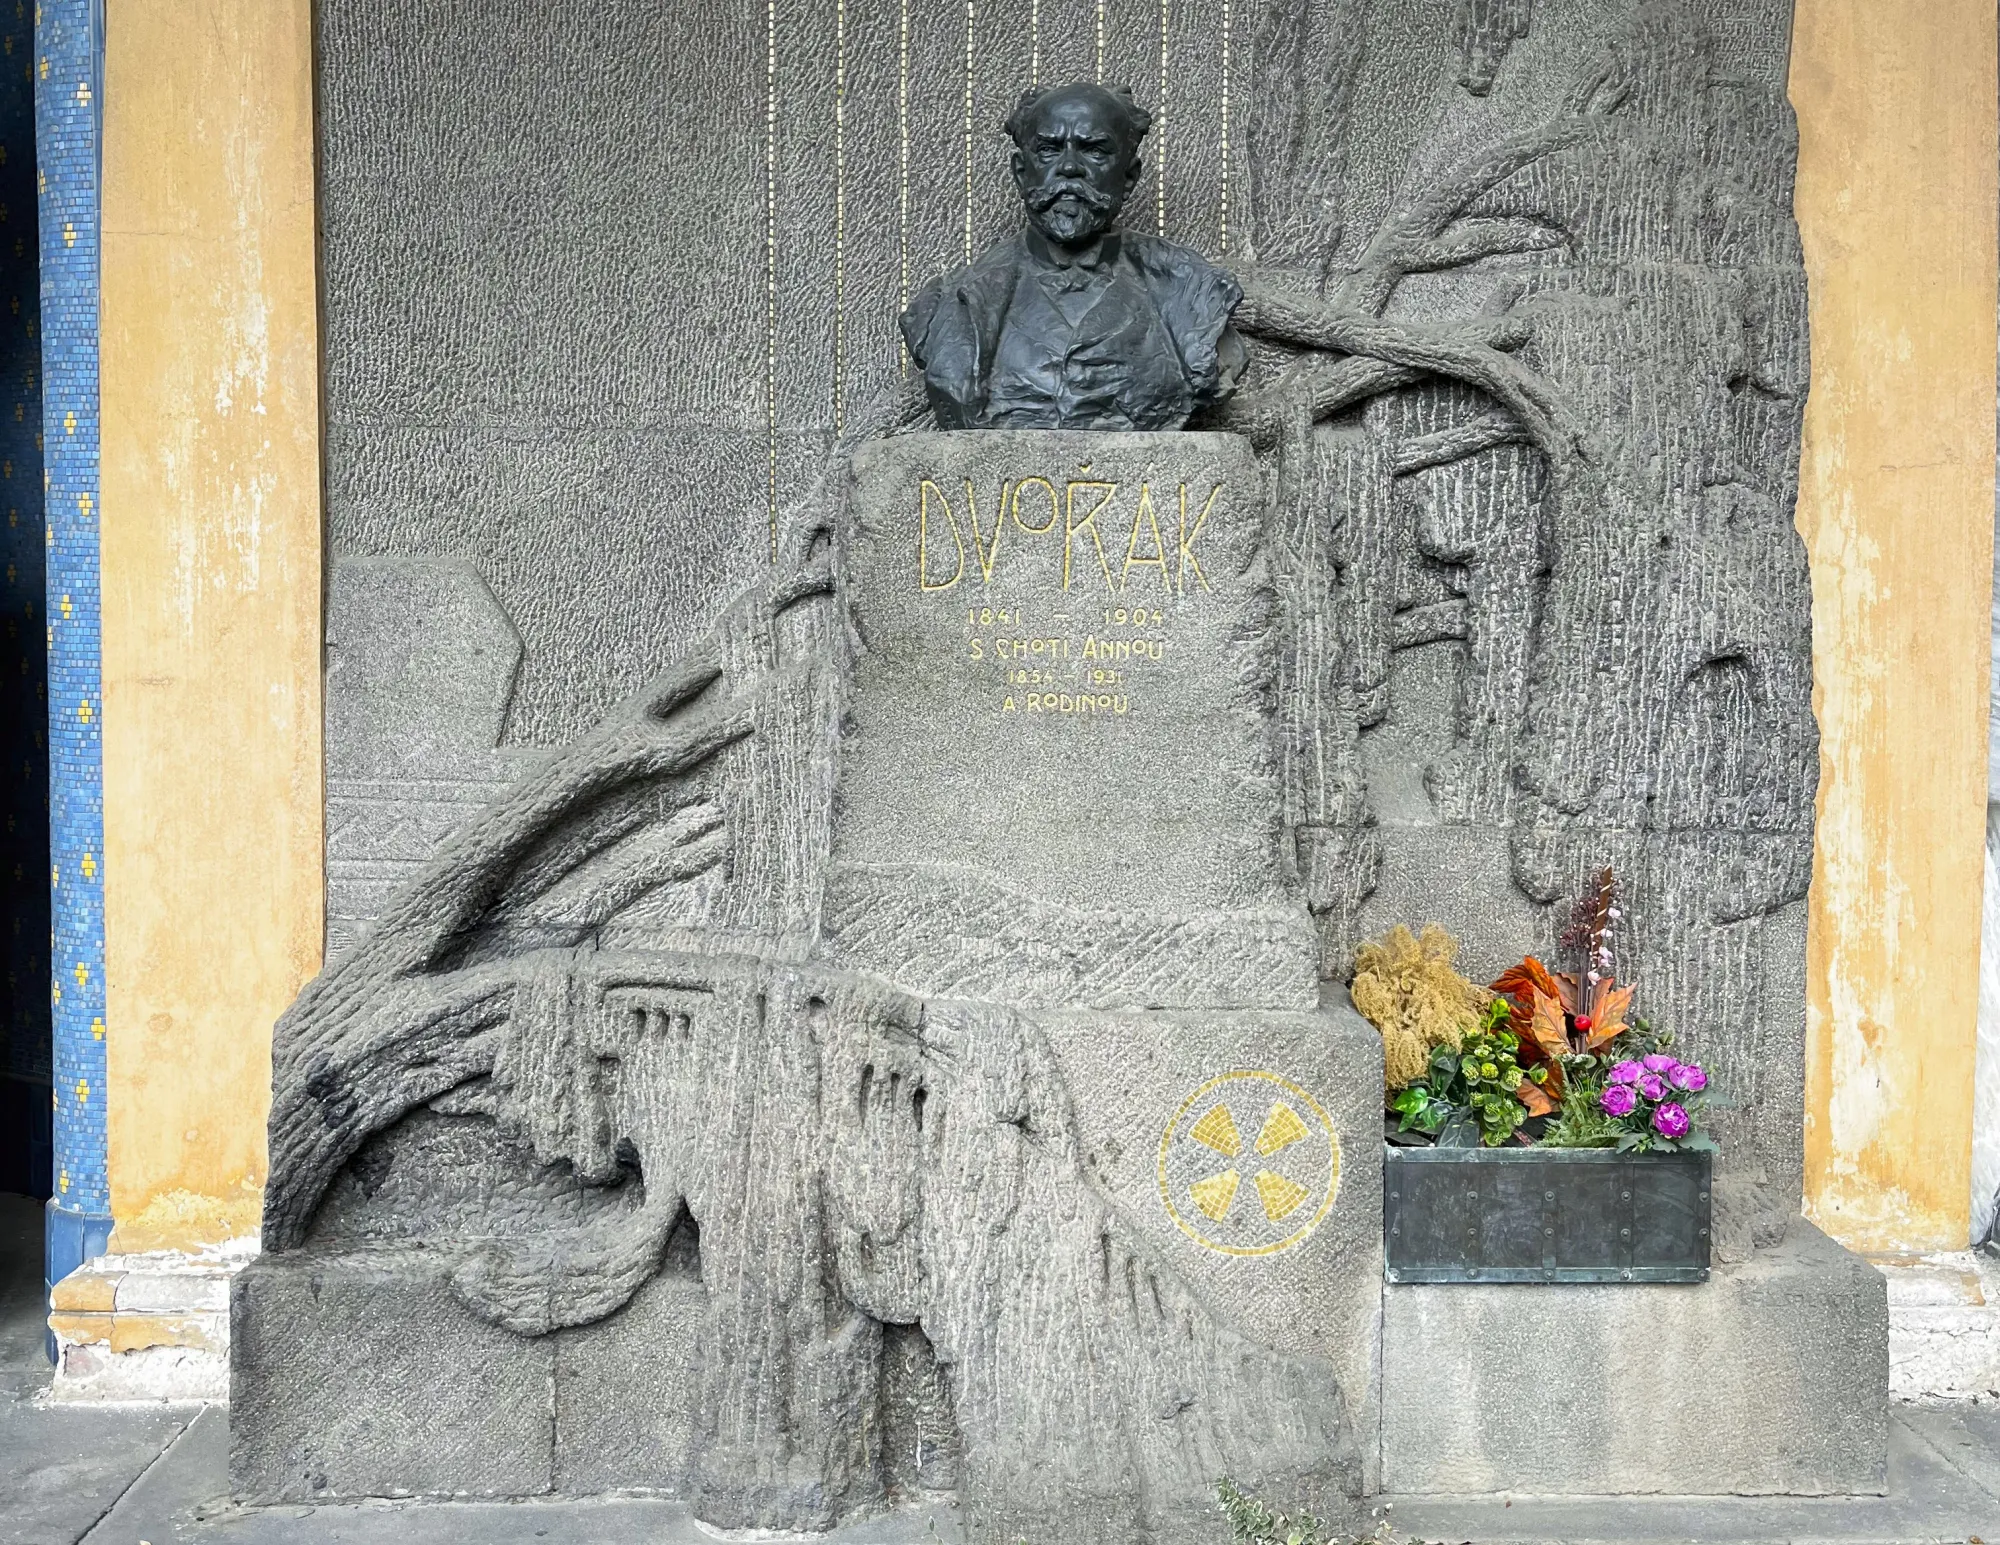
<point x="1075" y="324"/>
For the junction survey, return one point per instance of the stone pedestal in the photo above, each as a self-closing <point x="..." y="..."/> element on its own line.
<point x="1059" y="784"/>
<point x="1770" y="1378"/>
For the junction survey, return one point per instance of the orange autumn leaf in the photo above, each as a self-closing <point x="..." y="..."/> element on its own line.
<point x="1547" y="1040"/>
<point x="1535" y="1097"/>
<point x="1521" y="984"/>
<point x="1526" y="979"/>
<point x="1607" y="1014"/>
<point x="1547" y="1029"/>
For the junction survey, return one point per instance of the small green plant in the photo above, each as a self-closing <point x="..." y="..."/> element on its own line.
<point x="1252" y="1523"/>
<point x="1579" y="1121"/>
<point x="1481" y="1081"/>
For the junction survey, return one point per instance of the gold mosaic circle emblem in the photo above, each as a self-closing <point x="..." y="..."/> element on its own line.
<point x="1249" y="1165"/>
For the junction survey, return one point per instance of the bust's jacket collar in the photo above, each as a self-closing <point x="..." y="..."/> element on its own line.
<point x="1102" y="253"/>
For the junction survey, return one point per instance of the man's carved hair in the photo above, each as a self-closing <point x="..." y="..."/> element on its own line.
<point x="1137" y="119"/>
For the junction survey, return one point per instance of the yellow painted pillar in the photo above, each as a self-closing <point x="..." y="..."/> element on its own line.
<point x="1896" y="198"/>
<point x="211" y="595"/>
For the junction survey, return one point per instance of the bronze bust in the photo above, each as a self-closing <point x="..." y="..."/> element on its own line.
<point x="1075" y="324"/>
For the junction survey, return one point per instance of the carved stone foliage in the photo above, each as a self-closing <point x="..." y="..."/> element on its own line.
<point x="1540" y="444"/>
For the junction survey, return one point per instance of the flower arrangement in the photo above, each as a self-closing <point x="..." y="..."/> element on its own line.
<point x="1552" y="1057"/>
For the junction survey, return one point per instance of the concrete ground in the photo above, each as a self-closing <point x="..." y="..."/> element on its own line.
<point x="159" y="1476"/>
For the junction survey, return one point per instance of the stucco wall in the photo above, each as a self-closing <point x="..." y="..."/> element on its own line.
<point x="1896" y="199"/>
<point x="211" y="583"/>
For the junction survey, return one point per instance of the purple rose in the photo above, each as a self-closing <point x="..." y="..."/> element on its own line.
<point x="1670" y="1121"/>
<point x="1689" y="1076"/>
<point x="1626" y="1073"/>
<point x="1652" y="1086"/>
<point x="1659" y="1062"/>
<point x="1618" y="1100"/>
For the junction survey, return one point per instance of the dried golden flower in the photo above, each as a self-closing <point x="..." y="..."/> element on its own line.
<point x="1404" y="986"/>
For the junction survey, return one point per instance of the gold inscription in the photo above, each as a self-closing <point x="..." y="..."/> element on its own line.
<point x="1077" y="662"/>
<point x="925" y="491"/>
<point x="1083" y="504"/>
<point x="1071" y="525"/>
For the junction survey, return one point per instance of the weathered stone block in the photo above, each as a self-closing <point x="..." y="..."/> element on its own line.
<point x="1302" y="1092"/>
<point x="626" y="1391"/>
<point x="362" y="1376"/>
<point x="1059" y="782"/>
<point x="1770" y="1378"/>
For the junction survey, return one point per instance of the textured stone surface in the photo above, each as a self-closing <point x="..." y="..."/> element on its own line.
<point x="1574" y="631"/>
<point x="421" y="666"/>
<point x="1133" y="1072"/>
<point x="575" y="1061"/>
<point x="558" y="344"/>
<point x="1530" y="357"/>
<point x="1058" y="781"/>
<point x="1770" y="1378"/>
<point x="360" y="1376"/>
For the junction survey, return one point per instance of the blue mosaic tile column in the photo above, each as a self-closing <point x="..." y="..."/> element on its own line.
<point x="69" y="68"/>
<point x="25" y="1072"/>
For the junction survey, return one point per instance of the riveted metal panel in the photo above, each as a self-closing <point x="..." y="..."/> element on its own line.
<point x="1545" y="1215"/>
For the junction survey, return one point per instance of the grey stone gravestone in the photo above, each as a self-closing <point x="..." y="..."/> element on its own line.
<point x="609" y="1085"/>
<point x="1059" y="782"/>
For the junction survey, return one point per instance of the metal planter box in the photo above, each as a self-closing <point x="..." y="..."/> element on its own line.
<point x="1545" y="1215"/>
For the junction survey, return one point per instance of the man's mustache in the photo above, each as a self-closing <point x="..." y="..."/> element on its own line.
<point x="1045" y="197"/>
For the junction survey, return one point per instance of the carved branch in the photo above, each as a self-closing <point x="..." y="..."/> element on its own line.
<point x="1474" y="240"/>
<point x="1473" y="353"/>
<point x="1411" y="236"/>
<point x="1457" y="443"/>
<point x="1430" y="232"/>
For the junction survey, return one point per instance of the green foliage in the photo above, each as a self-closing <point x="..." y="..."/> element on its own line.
<point x="1251" y="1522"/>
<point x="1579" y="1122"/>
<point x="1490" y="1075"/>
<point x="1476" y="1083"/>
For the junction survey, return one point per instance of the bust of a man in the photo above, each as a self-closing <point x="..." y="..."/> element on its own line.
<point x="1075" y="324"/>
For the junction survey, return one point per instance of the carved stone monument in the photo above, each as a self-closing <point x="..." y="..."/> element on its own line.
<point x="1033" y="1126"/>
<point x="901" y="1050"/>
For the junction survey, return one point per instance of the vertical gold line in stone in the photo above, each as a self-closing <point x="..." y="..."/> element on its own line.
<point x="1100" y="42"/>
<point x="771" y="264"/>
<point x="1226" y="19"/>
<point x="1160" y="135"/>
<point x="840" y="218"/>
<point x="903" y="163"/>
<point x="968" y="131"/>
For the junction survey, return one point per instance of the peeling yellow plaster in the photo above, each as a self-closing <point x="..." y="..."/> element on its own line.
<point x="211" y="594"/>
<point x="1896" y="199"/>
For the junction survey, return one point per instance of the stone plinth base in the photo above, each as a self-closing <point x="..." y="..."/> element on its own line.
<point x="145" y="1327"/>
<point x="1771" y="1378"/>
